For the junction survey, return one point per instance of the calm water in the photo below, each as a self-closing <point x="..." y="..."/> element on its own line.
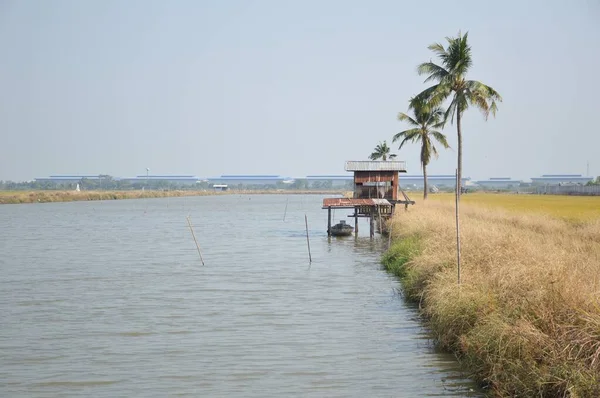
<point x="110" y="299"/>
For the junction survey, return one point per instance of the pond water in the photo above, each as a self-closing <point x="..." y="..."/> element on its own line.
<point x="110" y="299"/>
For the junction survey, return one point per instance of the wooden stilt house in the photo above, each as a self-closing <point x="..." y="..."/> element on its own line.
<point x="376" y="192"/>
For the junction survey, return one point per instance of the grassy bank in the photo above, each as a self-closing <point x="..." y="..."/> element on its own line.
<point x="526" y="319"/>
<point x="15" y="197"/>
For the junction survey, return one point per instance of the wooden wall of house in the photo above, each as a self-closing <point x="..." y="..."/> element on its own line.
<point x="362" y="177"/>
<point x="374" y="176"/>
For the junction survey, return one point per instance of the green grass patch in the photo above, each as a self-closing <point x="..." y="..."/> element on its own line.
<point x="397" y="261"/>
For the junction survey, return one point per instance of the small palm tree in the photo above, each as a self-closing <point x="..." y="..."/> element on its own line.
<point x="382" y="151"/>
<point x="451" y="76"/>
<point x="424" y="124"/>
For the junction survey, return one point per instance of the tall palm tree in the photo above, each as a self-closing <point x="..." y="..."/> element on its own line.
<point x="451" y="78"/>
<point x="382" y="151"/>
<point x="425" y="122"/>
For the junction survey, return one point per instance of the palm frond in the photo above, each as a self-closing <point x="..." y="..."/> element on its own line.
<point x="438" y="95"/>
<point x="440" y="51"/>
<point x="403" y="117"/>
<point x="479" y="101"/>
<point x="424" y="95"/>
<point x="406" y="136"/>
<point x="433" y="96"/>
<point x="434" y="151"/>
<point x="483" y="97"/>
<point x="437" y="114"/>
<point x="436" y="118"/>
<point x="486" y="91"/>
<point x="441" y="138"/>
<point x="459" y="54"/>
<point x="435" y="72"/>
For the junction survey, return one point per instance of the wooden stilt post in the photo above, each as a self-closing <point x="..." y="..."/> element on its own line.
<point x="356" y="220"/>
<point x="372" y="223"/>
<point x="329" y="221"/>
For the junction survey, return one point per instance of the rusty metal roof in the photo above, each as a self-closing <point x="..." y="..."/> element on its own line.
<point x="351" y="203"/>
<point x="369" y="165"/>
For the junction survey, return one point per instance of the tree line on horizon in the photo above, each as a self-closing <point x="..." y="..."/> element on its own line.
<point x="427" y="115"/>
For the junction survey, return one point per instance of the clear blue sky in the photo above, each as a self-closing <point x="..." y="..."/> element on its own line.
<point x="282" y="87"/>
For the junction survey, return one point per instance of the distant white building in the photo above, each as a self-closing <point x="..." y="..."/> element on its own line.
<point x="171" y="179"/>
<point x="560" y="179"/>
<point x="247" y="179"/>
<point x="499" y="183"/>
<point x="439" y="180"/>
<point x="336" y="181"/>
<point x="70" y="179"/>
<point x="142" y="179"/>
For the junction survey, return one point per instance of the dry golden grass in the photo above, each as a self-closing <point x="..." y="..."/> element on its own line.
<point x="579" y="208"/>
<point x="526" y="318"/>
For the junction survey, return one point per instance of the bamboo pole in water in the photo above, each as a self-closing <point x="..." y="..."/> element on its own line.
<point x="194" y="236"/>
<point x="286" y="205"/>
<point x="307" y="240"/>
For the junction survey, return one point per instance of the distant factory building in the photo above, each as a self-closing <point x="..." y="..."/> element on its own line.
<point x="247" y="180"/>
<point x="67" y="179"/>
<point x="142" y="179"/>
<point x="499" y="183"/>
<point x="154" y="179"/>
<point x="560" y="179"/>
<point x="333" y="181"/>
<point x="440" y="180"/>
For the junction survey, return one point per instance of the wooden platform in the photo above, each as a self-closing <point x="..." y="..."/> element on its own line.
<point x="345" y="203"/>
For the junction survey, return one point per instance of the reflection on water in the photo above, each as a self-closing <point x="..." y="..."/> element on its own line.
<point x="110" y="299"/>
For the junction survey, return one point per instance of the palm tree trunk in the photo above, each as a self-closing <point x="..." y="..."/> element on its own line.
<point x="459" y="168"/>
<point x="425" y="187"/>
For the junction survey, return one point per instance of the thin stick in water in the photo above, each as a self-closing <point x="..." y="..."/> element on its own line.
<point x="307" y="240"/>
<point x="286" y="205"/>
<point x="194" y="236"/>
